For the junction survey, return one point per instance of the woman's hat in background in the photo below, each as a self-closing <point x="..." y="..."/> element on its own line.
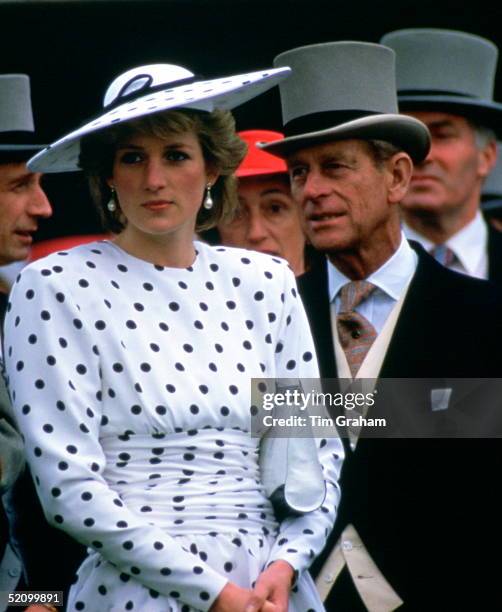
<point x="258" y="162"/>
<point x="340" y="91"/>
<point x="447" y="71"/>
<point x="152" y="89"/>
<point x="17" y="130"/>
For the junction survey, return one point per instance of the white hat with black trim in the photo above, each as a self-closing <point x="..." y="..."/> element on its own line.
<point x="152" y="89"/>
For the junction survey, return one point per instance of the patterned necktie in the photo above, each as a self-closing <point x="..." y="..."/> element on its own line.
<point x="356" y="333"/>
<point x="444" y="255"/>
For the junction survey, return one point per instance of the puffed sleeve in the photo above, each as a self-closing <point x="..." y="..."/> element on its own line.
<point x="302" y="538"/>
<point x="54" y="378"/>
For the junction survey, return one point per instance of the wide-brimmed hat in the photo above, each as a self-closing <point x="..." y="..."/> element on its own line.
<point x="17" y="130"/>
<point x="151" y="89"/>
<point x="258" y="162"/>
<point x="448" y="71"/>
<point x="340" y="91"/>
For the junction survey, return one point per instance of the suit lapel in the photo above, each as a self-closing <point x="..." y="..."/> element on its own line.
<point x="411" y="349"/>
<point x="313" y="286"/>
<point x="494" y="255"/>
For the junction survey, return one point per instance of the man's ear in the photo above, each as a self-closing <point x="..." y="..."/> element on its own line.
<point x="487" y="158"/>
<point x="399" y="171"/>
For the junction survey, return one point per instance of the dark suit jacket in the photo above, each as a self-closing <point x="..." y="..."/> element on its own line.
<point x="494" y="255"/>
<point x="426" y="509"/>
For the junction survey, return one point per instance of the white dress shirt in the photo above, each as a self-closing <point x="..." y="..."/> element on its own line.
<point x="391" y="280"/>
<point x="470" y="246"/>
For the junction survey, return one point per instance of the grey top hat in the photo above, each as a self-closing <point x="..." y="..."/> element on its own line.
<point x="446" y="70"/>
<point x="17" y="131"/>
<point x="491" y="195"/>
<point x="344" y="90"/>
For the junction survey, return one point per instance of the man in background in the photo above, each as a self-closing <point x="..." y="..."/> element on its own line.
<point x="446" y="79"/>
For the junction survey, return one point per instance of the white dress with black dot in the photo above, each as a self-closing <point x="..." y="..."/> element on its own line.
<point x="131" y="384"/>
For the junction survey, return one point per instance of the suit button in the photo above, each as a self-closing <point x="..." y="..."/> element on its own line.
<point x="356" y="333"/>
<point x="14" y="573"/>
<point x="347" y="545"/>
<point x="329" y="578"/>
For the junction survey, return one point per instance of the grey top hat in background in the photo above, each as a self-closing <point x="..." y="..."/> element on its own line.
<point x="491" y="195"/>
<point x="340" y="91"/>
<point x="17" y="130"/>
<point x="448" y="71"/>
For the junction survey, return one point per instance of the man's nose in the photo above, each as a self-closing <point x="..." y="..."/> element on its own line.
<point x="315" y="186"/>
<point x="39" y="205"/>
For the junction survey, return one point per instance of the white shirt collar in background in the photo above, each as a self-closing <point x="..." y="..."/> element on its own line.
<point x="470" y="245"/>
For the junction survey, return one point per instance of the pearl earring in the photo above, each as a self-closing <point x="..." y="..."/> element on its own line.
<point x="111" y="205"/>
<point x="208" y="200"/>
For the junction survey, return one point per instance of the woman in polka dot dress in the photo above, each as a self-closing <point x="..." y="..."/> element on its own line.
<point x="129" y="364"/>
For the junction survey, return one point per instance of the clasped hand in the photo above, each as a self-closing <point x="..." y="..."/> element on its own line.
<point x="270" y="594"/>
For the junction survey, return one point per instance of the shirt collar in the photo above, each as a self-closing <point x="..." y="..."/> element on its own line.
<point x="391" y="278"/>
<point x="469" y="244"/>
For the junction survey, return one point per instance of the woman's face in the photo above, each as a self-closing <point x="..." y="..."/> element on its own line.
<point x="268" y="220"/>
<point x="160" y="184"/>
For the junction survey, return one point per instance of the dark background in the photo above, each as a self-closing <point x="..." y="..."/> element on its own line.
<point x="72" y="50"/>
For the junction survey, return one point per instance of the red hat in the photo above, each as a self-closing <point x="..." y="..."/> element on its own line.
<point x="258" y="161"/>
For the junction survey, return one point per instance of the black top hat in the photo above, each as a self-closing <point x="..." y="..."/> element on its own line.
<point x="448" y="71"/>
<point x="17" y="131"/>
<point x="344" y="90"/>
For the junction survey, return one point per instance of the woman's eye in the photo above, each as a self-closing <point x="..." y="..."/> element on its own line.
<point x="176" y="156"/>
<point x="130" y="157"/>
<point x="276" y="208"/>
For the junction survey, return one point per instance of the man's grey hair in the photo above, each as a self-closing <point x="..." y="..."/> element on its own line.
<point x="482" y="135"/>
<point x="381" y="151"/>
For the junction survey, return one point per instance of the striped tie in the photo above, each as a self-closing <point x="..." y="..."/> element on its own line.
<point x="356" y="333"/>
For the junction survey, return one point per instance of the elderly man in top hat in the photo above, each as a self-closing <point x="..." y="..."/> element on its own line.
<point x="446" y="79"/>
<point x="409" y="527"/>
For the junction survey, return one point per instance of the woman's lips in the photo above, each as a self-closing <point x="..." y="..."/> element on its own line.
<point x="156" y="205"/>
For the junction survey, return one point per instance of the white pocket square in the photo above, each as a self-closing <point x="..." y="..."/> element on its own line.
<point x="440" y="399"/>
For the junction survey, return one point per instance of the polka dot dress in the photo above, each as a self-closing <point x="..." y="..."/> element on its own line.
<point x="131" y="385"/>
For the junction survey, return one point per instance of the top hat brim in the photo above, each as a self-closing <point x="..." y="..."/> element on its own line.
<point x="223" y="93"/>
<point x="483" y="112"/>
<point x="407" y="133"/>
<point x="18" y="153"/>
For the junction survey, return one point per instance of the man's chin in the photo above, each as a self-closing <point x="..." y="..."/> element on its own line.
<point x="422" y="204"/>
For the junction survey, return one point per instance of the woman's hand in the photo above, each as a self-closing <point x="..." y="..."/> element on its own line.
<point x="273" y="586"/>
<point x="233" y="598"/>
